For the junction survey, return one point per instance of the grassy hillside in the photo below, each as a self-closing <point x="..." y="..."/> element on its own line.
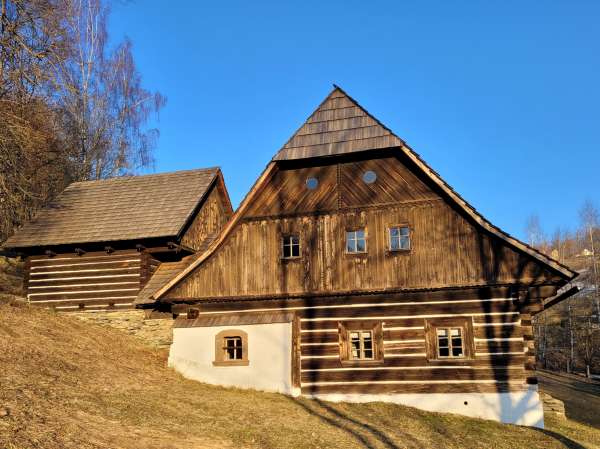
<point x="69" y="384"/>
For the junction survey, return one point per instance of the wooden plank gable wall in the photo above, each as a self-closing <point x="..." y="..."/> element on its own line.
<point x="447" y="250"/>
<point x="208" y="221"/>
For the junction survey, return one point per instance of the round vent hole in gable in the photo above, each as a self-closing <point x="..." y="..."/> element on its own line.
<point x="312" y="183"/>
<point x="369" y="177"/>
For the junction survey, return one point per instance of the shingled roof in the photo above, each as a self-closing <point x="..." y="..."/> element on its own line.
<point x="124" y="208"/>
<point x="339" y="125"/>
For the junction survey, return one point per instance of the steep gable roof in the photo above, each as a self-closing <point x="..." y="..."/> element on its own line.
<point x="125" y="208"/>
<point x="338" y="126"/>
<point x="330" y="141"/>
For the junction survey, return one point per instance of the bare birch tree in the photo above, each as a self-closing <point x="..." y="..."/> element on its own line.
<point x="103" y="105"/>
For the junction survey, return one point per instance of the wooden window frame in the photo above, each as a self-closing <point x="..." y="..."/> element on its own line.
<point x="468" y="346"/>
<point x="344" y="330"/>
<point x="356" y="229"/>
<point x="220" y="359"/>
<point x="289" y="235"/>
<point x="389" y="239"/>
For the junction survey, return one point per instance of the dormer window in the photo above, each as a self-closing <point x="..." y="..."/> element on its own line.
<point x="290" y="246"/>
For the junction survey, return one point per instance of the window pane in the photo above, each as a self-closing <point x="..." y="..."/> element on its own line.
<point x="238" y="353"/>
<point x="404" y="231"/>
<point x="455" y="332"/>
<point x="295" y="240"/>
<point x="350" y="242"/>
<point x="355" y="345"/>
<point x="296" y="251"/>
<point x="457" y="351"/>
<point x="395" y="243"/>
<point x="442" y="342"/>
<point x="442" y="332"/>
<point x="354" y="336"/>
<point x="368" y="353"/>
<point x="360" y="246"/>
<point x="286" y="251"/>
<point x="404" y="242"/>
<point x="360" y="234"/>
<point x="394" y="232"/>
<point x="444" y="352"/>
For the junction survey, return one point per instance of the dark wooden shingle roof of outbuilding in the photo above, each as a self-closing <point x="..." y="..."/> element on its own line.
<point x="124" y="208"/>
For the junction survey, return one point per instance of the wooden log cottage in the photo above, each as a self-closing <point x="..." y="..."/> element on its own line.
<point x="97" y="245"/>
<point x="352" y="272"/>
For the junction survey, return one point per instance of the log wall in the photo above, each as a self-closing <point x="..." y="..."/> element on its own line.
<point x="498" y="364"/>
<point x="92" y="281"/>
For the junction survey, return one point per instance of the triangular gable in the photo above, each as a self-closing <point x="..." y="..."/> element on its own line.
<point x="346" y="140"/>
<point x="338" y="126"/>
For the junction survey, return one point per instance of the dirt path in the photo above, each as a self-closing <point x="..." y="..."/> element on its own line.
<point x="582" y="399"/>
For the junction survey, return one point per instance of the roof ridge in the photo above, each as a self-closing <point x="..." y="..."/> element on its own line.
<point x="146" y="175"/>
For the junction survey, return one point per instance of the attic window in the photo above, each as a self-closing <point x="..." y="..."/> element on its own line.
<point x="369" y="177"/>
<point x="290" y="245"/>
<point x="312" y="183"/>
<point x="356" y="241"/>
<point x="399" y="238"/>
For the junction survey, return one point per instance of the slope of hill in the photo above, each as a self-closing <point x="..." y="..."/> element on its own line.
<point x="70" y="384"/>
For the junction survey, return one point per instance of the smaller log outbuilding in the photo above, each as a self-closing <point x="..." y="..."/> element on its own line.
<point x="97" y="245"/>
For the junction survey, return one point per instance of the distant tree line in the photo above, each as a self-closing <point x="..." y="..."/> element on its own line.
<point x="568" y="334"/>
<point x="71" y="107"/>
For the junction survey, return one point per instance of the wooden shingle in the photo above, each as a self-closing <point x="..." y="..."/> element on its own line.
<point x="338" y="126"/>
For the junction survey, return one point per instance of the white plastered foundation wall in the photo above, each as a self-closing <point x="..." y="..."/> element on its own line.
<point x="269" y="369"/>
<point x="269" y="357"/>
<point x="523" y="407"/>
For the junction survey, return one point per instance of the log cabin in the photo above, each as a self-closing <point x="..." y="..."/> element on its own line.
<point x="352" y="272"/>
<point x="99" y="242"/>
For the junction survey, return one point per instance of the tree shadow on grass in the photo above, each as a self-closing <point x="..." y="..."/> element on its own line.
<point x="563" y="439"/>
<point x="368" y="435"/>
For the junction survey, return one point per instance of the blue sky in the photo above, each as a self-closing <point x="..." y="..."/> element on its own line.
<point x="502" y="98"/>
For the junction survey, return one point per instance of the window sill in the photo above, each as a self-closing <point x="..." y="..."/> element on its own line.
<point x="393" y="252"/>
<point x="291" y="259"/>
<point x="357" y="363"/>
<point x="361" y="253"/>
<point x="231" y="363"/>
<point x="452" y="361"/>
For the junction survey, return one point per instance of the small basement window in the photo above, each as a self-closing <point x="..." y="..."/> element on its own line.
<point x="356" y="241"/>
<point x="361" y="342"/>
<point x="399" y="238"/>
<point x="231" y="348"/>
<point x="449" y="338"/>
<point x="290" y="246"/>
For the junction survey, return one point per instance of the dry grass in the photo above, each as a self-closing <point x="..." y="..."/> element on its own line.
<point x="11" y="279"/>
<point x="69" y="384"/>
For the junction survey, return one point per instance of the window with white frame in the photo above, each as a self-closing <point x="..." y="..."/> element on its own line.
<point x="356" y="241"/>
<point x="290" y="245"/>
<point x="399" y="238"/>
